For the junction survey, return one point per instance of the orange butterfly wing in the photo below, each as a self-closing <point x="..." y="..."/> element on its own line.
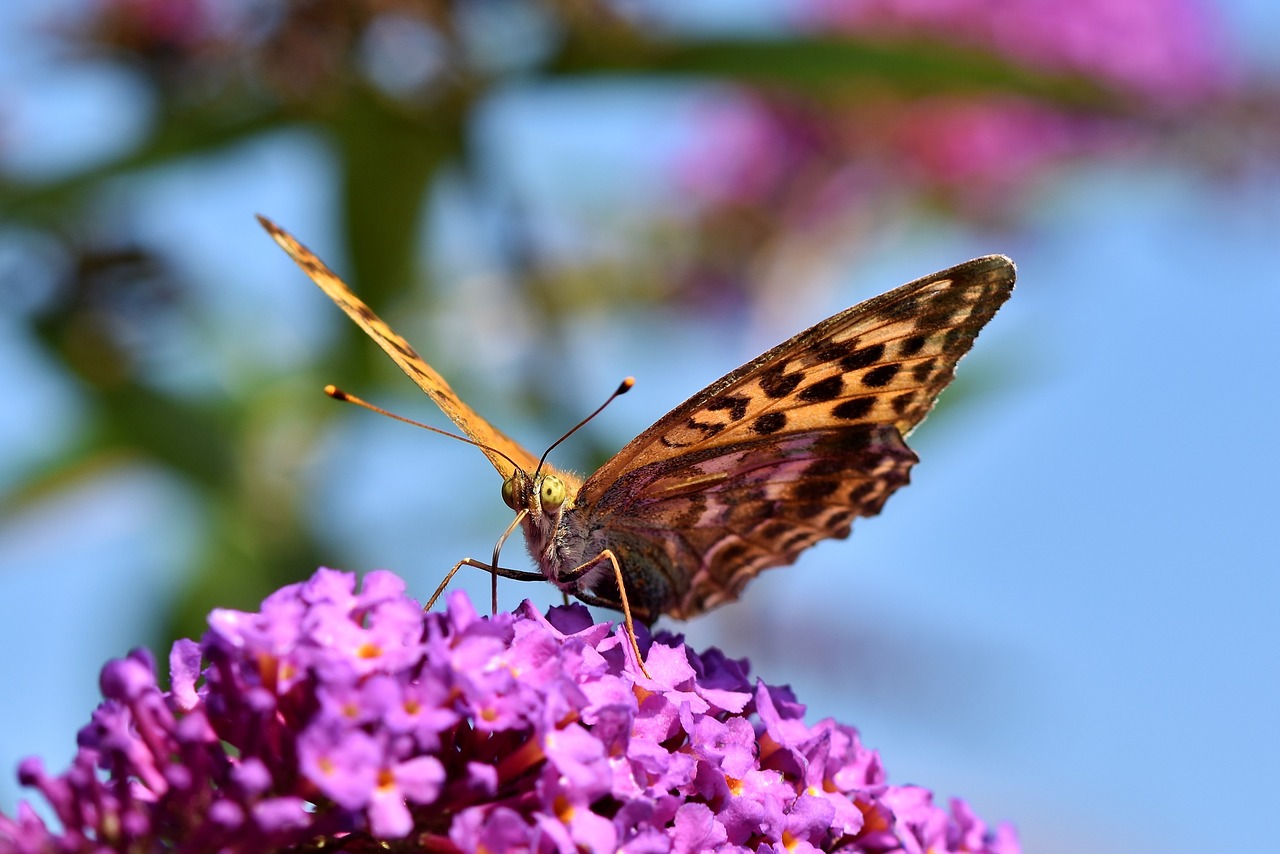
<point x="406" y="357"/>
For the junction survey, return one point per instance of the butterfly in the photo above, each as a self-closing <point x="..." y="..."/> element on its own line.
<point x="768" y="460"/>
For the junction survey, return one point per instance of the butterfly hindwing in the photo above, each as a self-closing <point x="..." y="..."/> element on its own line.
<point x="724" y="514"/>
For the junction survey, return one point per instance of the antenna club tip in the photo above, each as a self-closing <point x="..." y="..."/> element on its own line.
<point x="335" y="392"/>
<point x="626" y="386"/>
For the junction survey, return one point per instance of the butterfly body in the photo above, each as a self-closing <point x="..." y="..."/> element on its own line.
<point x="772" y="458"/>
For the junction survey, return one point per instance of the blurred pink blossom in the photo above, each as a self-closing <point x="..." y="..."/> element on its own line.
<point x="748" y="149"/>
<point x="1000" y="142"/>
<point x="803" y="169"/>
<point x="1171" y="52"/>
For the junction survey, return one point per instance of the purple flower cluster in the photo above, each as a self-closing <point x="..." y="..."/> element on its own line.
<point x="350" y="719"/>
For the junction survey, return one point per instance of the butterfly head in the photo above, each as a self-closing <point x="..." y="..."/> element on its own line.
<point x="543" y="501"/>
<point x="545" y="496"/>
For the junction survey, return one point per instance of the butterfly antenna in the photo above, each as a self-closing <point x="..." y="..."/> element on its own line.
<point x="622" y="389"/>
<point x="338" y="394"/>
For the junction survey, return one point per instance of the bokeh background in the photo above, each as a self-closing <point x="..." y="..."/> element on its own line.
<point x="1070" y="618"/>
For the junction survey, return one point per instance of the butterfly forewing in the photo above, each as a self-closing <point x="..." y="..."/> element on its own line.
<point x="405" y="356"/>
<point x="790" y="448"/>
<point x="884" y="361"/>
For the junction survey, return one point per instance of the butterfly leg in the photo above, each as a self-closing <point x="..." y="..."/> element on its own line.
<point x="514" y="574"/>
<point x="493" y="568"/>
<point x="580" y="571"/>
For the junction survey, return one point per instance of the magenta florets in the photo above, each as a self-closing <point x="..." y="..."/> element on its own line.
<point x="341" y="715"/>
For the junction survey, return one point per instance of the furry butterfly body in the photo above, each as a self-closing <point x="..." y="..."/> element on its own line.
<point x="772" y="458"/>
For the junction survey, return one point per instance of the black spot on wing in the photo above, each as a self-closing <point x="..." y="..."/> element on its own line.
<point x="707" y="430"/>
<point x="921" y="372"/>
<point x="834" y="351"/>
<point x="857" y="439"/>
<point x="735" y="404"/>
<point x="823" y="390"/>
<point x="864" y="358"/>
<point x="944" y="307"/>
<point x="402" y="347"/>
<point x="770" y="422"/>
<point x="854" y="408"/>
<point x="912" y="345"/>
<point x="776" y="382"/>
<point x="881" y="376"/>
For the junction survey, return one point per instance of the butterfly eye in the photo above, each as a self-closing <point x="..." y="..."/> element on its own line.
<point x="552" y="493"/>
<point x="509" y="493"/>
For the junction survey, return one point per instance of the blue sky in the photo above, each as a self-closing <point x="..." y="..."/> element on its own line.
<point x="1068" y="618"/>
